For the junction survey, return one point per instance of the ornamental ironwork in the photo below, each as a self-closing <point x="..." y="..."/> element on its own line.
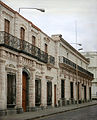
<point x="74" y="66"/>
<point x="14" y="43"/>
<point x="51" y="60"/>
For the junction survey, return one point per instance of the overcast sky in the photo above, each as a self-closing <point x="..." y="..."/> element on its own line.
<point x="60" y="17"/>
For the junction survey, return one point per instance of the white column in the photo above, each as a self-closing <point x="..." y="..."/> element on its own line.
<point x="32" y="88"/>
<point x="67" y="88"/>
<point x="80" y="88"/>
<point x="87" y="90"/>
<point x="75" y="92"/>
<point x="52" y="93"/>
<point x="3" y="96"/>
<point x="43" y="89"/>
<point x="19" y="89"/>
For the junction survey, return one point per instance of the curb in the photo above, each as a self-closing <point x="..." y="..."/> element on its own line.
<point x="41" y="116"/>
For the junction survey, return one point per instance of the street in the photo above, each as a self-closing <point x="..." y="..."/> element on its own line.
<point x="88" y="113"/>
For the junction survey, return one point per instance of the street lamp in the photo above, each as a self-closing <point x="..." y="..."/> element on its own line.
<point x="41" y="10"/>
<point x="77" y="44"/>
<point x="80" y="49"/>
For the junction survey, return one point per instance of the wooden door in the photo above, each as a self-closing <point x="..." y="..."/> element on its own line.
<point x="33" y="40"/>
<point x="22" y="33"/>
<point x="7" y="26"/>
<point x="6" y="29"/>
<point x="24" y="95"/>
<point x="55" y="95"/>
<point x="46" y="48"/>
<point x="22" y="36"/>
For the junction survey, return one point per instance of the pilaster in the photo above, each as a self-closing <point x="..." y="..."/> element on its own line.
<point x="3" y="95"/>
<point x="32" y="89"/>
<point x="19" y="86"/>
<point x="43" y="88"/>
<point x="75" y="92"/>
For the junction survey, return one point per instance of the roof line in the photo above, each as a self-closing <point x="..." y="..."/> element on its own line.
<point x="74" y="49"/>
<point x="15" y="12"/>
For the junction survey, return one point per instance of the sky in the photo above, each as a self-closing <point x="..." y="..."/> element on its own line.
<point x="66" y="17"/>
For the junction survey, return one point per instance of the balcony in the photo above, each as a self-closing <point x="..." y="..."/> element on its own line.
<point x="51" y="62"/>
<point x="22" y="46"/>
<point x="66" y="61"/>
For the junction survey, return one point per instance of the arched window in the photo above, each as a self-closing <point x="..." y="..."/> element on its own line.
<point x="22" y="33"/>
<point x="46" y="48"/>
<point x="33" y="40"/>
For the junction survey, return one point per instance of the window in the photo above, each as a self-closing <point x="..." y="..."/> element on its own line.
<point x="11" y="90"/>
<point x="90" y="93"/>
<point x="49" y="93"/>
<point x="7" y="26"/>
<point x="46" y="48"/>
<point x="71" y="89"/>
<point x="62" y="88"/>
<point x="37" y="92"/>
<point x="22" y="33"/>
<point x="33" y="40"/>
<point x="85" y="97"/>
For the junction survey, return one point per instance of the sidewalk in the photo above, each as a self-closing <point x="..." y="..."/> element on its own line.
<point x="47" y="112"/>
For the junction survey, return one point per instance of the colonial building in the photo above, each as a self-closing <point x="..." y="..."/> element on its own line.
<point x="37" y="70"/>
<point x="92" y="57"/>
<point x="74" y="81"/>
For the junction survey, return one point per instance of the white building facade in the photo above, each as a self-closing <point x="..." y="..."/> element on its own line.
<point x="92" y="57"/>
<point x="37" y="70"/>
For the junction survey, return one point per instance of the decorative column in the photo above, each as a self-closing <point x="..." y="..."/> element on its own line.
<point x="80" y="90"/>
<point x="43" y="88"/>
<point x="19" y="87"/>
<point x="32" y="88"/>
<point x="3" y="95"/>
<point x="67" y="88"/>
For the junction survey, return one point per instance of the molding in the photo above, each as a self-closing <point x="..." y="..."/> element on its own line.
<point x="3" y="12"/>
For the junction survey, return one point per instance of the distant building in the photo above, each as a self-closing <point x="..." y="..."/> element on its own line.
<point x="92" y="67"/>
<point x="36" y="70"/>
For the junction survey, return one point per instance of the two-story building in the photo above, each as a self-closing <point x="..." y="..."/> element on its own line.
<point x="37" y="70"/>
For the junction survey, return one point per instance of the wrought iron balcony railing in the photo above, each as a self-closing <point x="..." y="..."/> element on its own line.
<point x="73" y="65"/>
<point x="67" y="61"/>
<point x="51" y="60"/>
<point x="14" y="43"/>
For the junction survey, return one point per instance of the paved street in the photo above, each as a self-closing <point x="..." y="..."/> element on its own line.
<point x="88" y="113"/>
<point x="69" y="112"/>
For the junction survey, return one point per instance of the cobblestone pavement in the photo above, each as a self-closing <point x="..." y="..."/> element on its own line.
<point x="88" y="113"/>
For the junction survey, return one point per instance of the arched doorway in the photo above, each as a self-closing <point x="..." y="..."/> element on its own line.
<point x="25" y="90"/>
